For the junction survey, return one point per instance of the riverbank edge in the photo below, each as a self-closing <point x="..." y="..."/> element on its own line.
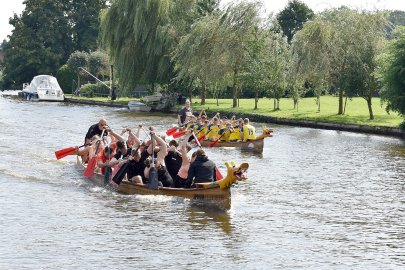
<point x="378" y="130"/>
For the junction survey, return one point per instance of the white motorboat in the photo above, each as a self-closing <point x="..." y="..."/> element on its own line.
<point x="43" y="87"/>
<point x="138" y="106"/>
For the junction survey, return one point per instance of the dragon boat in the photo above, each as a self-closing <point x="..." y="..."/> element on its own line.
<point x="255" y="145"/>
<point x="214" y="193"/>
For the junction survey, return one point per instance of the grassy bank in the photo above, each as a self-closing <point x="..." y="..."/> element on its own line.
<point x="356" y="110"/>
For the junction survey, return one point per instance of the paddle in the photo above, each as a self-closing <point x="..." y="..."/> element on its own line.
<point x="107" y="172"/>
<point x="65" y="152"/>
<point x="153" y="177"/>
<point x="217" y="172"/>
<point x="91" y="165"/>
<point x="178" y="134"/>
<point x="170" y="131"/>
<point x="119" y="176"/>
<point x="215" y="142"/>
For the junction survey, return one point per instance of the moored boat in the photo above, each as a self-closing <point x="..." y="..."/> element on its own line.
<point x="217" y="193"/>
<point x="43" y="87"/>
<point x="138" y="106"/>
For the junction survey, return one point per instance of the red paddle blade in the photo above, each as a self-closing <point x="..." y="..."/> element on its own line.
<point x="178" y="134"/>
<point x="170" y="131"/>
<point x="64" y="152"/>
<point x="218" y="174"/>
<point x="89" y="172"/>
<point x="213" y="143"/>
<point x="201" y="138"/>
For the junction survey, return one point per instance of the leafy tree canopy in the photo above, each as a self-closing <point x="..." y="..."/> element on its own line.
<point x="292" y="18"/>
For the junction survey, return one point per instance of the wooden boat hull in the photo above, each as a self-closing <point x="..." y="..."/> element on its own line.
<point x="251" y="145"/>
<point x="213" y="195"/>
<point x="217" y="193"/>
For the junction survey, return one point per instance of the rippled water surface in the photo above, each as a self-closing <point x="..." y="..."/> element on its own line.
<point x="315" y="199"/>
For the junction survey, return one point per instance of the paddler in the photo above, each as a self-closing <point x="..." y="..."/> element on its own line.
<point x="248" y="131"/>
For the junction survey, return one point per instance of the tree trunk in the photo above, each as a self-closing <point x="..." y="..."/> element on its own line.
<point x="295" y="103"/>
<point x="344" y="108"/>
<point x="203" y="93"/>
<point x="78" y="81"/>
<point x="274" y="104"/>
<point x="234" y="90"/>
<point x="340" y="111"/>
<point x="370" y="108"/>
<point x="318" y="100"/>
<point x="112" y="79"/>
<point x="256" y="100"/>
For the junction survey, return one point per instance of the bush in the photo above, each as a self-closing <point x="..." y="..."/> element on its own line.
<point x="92" y="90"/>
<point x="65" y="78"/>
<point x="87" y="90"/>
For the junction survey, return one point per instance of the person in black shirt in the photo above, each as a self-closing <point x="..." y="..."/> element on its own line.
<point x="96" y="129"/>
<point x="184" y="112"/>
<point x="173" y="159"/>
<point x="201" y="169"/>
<point x="136" y="168"/>
<point x="163" y="175"/>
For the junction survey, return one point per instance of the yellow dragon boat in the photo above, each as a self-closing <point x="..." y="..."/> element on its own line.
<point x="255" y="145"/>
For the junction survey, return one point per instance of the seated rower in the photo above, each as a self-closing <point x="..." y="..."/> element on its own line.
<point x="173" y="159"/>
<point x="162" y="172"/>
<point x="201" y="170"/>
<point x="213" y="130"/>
<point x="136" y="168"/>
<point x="105" y="158"/>
<point x="180" y="178"/>
<point x="248" y="131"/>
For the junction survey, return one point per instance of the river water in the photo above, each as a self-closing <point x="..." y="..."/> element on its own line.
<point x="315" y="199"/>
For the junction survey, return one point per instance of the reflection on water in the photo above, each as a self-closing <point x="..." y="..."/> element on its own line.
<point x="314" y="199"/>
<point x="207" y="217"/>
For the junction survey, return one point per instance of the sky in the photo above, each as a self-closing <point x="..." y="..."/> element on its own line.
<point x="9" y="7"/>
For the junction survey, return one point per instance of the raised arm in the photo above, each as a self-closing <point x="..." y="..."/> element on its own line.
<point x="162" y="147"/>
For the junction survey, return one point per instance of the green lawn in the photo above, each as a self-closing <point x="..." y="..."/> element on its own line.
<point x="356" y="110"/>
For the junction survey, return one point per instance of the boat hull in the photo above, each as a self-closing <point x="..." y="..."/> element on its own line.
<point x="211" y="195"/>
<point x="251" y="145"/>
<point x="138" y="106"/>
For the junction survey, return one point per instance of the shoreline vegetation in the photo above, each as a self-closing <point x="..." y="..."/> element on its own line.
<point x="355" y="119"/>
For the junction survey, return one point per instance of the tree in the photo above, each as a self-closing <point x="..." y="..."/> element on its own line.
<point x="197" y="58"/>
<point x="392" y="73"/>
<point x="237" y="28"/>
<point x="98" y="63"/>
<point x="76" y="61"/>
<point x="136" y="36"/>
<point x="292" y="18"/>
<point x="84" y="20"/>
<point x="40" y="42"/>
<point x="45" y="35"/>
<point x="328" y="45"/>
<point x="359" y="77"/>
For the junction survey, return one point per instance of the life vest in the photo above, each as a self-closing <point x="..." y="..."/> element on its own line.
<point x="235" y="135"/>
<point x="249" y="132"/>
<point x="214" y="129"/>
<point x="224" y="134"/>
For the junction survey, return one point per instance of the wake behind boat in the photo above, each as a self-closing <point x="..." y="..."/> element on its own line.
<point x="43" y="87"/>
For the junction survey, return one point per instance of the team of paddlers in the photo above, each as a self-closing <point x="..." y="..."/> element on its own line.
<point x="125" y="157"/>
